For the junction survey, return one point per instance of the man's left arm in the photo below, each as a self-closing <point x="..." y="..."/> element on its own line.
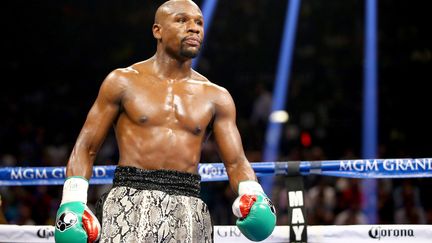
<point x="255" y="211"/>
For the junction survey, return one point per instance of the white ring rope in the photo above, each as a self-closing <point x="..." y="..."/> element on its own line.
<point x="228" y="234"/>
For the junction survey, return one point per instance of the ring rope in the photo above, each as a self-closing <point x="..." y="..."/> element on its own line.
<point x="360" y="168"/>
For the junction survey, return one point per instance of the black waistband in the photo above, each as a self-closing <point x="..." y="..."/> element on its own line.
<point x="169" y="181"/>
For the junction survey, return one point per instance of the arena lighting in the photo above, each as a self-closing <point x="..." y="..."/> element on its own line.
<point x="208" y="8"/>
<point x="306" y="139"/>
<point x="281" y="87"/>
<point x="279" y="117"/>
<point x="369" y="141"/>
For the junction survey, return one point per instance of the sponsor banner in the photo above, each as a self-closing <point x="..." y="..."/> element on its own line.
<point x="362" y="168"/>
<point x="373" y="168"/>
<point x="370" y="233"/>
<point x="11" y="176"/>
<point x="337" y="234"/>
<point x="229" y="234"/>
<point x="26" y="233"/>
<point x="376" y="168"/>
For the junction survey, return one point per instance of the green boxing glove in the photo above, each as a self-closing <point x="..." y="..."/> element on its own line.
<point x="255" y="211"/>
<point x="74" y="221"/>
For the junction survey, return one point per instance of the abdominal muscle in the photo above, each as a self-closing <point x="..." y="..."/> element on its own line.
<point x="158" y="147"/>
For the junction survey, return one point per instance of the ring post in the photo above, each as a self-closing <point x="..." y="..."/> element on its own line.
<point x="296" y="204"/>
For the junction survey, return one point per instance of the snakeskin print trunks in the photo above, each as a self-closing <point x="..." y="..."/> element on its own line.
<point x="155" y="206"/>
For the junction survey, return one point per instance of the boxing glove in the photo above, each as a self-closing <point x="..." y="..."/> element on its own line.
<point x="255" y="212"/>
<point x="74" y="221"/>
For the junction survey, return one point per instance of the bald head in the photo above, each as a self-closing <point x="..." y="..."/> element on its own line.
<point x="179" y="28"/>
<point x="174" y="6"/>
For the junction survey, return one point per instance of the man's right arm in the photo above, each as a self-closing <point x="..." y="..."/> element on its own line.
<point x="98" y="122"/>
<point x="74" y="221"/>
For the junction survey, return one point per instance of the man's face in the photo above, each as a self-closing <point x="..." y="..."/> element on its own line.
<point x="182" y="29"/>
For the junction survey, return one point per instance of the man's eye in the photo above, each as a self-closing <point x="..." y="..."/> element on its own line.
<point x="181" y="20"/>
<point x="199" y="22"/>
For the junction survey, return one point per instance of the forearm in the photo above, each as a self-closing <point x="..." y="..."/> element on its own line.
<point x="241" y="170"/>
<point x="78" y="173"/>
<point x="80" y="163"/>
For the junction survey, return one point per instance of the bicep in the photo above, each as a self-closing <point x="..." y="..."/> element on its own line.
<point x="99" y="120"/>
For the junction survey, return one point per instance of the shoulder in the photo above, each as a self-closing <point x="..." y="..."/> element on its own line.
<point x="116" y="83"/>
<point x="121" y="78"/>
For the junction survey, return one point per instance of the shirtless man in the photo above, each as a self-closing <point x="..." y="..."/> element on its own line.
<point x="160" y="109"/>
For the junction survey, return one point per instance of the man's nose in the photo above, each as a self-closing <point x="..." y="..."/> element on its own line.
<point x="194" y="27"/>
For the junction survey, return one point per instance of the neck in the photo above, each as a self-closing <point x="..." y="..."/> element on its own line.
<point x="170" y="67"/>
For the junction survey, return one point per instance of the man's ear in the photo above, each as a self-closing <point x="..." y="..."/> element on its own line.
<point x="157" y="29"/>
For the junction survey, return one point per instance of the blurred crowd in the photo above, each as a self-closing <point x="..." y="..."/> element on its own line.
<point x="57" y="53"/>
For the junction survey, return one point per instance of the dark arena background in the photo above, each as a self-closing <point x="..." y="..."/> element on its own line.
<point x="55" y="54"/>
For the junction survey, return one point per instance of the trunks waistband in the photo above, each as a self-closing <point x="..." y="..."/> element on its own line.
<point x="169" y="181"/>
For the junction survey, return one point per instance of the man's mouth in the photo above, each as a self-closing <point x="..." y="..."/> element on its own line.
<point x="192" y="41"/>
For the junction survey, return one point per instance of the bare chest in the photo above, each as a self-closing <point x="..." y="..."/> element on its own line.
<point x="170" y="104"/>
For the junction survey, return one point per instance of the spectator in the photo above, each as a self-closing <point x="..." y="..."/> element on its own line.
<point x="2" y="217"/>
<point x="321" y="202"/>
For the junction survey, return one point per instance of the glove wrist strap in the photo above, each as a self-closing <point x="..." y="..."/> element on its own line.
<point x="249" y="187"/>
<point x="75" y="189"/>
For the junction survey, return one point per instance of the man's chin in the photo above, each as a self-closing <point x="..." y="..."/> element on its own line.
<point x="190" y="53"/>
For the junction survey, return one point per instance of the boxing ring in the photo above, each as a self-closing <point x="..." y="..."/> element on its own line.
<point x="297" y="231"/>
